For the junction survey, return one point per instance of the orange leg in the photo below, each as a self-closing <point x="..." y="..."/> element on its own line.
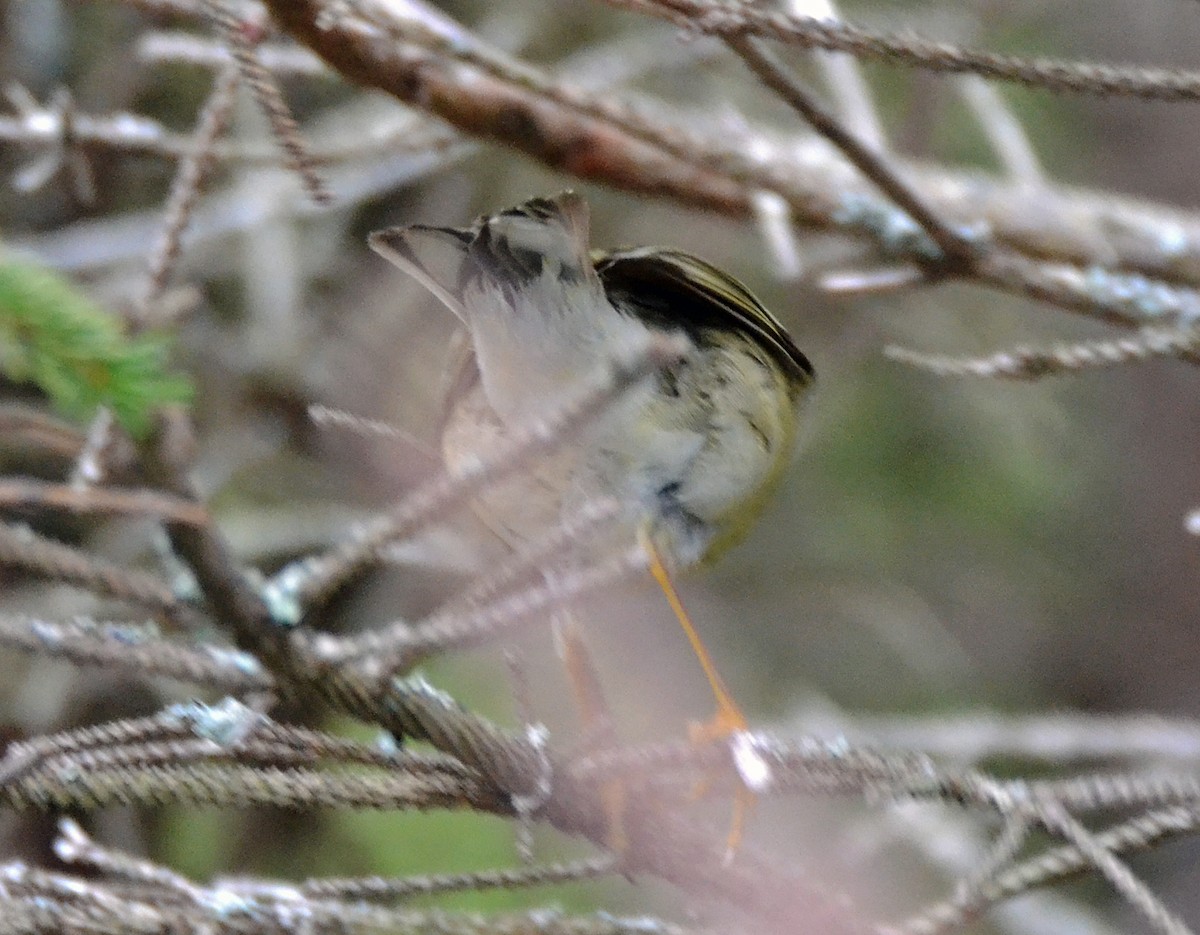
<point x="593" y="709"/>
<point x="729" y="718"/>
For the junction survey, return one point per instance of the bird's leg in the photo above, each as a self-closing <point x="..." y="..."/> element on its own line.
<point x="729" y="718"/>
<point x="585" y="683"/>
<point x="596" y="716"/>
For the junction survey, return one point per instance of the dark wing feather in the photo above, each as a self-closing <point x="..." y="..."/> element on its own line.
<point x="670" y="288"/>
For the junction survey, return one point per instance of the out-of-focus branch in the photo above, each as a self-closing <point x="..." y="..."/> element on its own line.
<point x="957" y="252"/>
<point x="605" y="142"/>
<point x="185" y="190"/>
<point x="41" y="127"/>
<point x="747" y="19"/>
<point x="1003" y="129"/>
<point x="24" y="493"/>
<point x="1031" y="363"/>
<point x="172" y="48"/>
<point x="130" y="894"/>
<point x="561" y="135"/>
<point x="21" y="547"/>
<point x="138" y="651"/>
<point x="951" y="252"/>
<point x="1053" y="737"/>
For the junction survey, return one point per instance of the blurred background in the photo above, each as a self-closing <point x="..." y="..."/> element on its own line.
<point x="941" y="546"/>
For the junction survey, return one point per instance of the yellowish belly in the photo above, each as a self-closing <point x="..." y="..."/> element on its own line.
<point x="694" y="455"/>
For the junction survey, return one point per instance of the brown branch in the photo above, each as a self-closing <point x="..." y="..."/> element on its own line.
<point x="615" y="145"/>
<point x="556" y="134"/>
<point x="234" y="601"/>
<point x="26" y="492"/>
<point x="190" y="175"/>
<point x="21" y="547"/>
<point x="243" y="36"/>
<point x="136" y="651"/>
<point x="662" y="840"/>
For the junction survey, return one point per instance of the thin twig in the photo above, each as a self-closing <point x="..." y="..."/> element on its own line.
<point x="190" y="175"/>
<point x="46" y="495"/>
<point x="1003" y="129"/>
<point x="380" y="888"/>
<point x="21" y="547"/>
<point x="136" y="651"/>
<point x="959" y="252"/>
<point x="1099" y="79"/>
<point x="1030" y="363"/>
<point x="1117" y="872"/>
<point x="243" y="36"/>
<point x="300" y="587"/>
<point x="399" y="646"/>
<point x="1055" y="738"/>
<point x="523" y="563"/>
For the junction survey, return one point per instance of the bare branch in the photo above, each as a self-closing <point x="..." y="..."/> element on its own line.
<point x="243" y="36"/>
<point x="1103" y="80"/>
<point x="27" y="492"/>
<point x="185" y="190"/>
<point x="136" y="650"/>
<point x="1030" y="363"/>
<point x="958" y="252"/>
<point x="22" y="548"/>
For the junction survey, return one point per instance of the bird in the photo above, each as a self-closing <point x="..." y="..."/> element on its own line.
<point x="691" y="455"/>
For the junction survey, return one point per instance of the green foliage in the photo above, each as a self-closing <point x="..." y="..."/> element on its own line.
<point x="55" y="337"/>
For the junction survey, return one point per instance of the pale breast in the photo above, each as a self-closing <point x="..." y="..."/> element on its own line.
<point x="526" y="505"/>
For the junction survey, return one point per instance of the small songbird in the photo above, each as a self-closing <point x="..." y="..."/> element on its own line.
<point x="691" y="454"/>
